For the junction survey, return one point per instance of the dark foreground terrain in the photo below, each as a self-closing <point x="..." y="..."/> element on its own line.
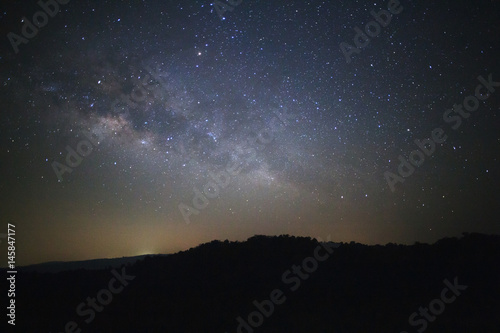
<point x="276" y="284"/>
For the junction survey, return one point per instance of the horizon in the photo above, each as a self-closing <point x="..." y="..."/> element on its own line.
<point x="272" y="283"/>
<point x="238" y="241"/>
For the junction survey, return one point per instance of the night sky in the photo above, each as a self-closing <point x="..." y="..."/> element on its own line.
<point x="134" y="127"/>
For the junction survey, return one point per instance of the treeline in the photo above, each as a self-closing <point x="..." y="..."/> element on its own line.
<point x="355" y="288"/>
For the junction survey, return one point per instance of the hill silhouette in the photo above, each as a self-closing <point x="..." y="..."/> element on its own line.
<point x="281" y="283"/>
<point x="94" y="264"/>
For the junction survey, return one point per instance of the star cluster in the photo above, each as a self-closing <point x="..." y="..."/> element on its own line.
<point x="169" y="94"/>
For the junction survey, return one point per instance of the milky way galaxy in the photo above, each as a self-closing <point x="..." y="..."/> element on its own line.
<point x="157" y="99"/>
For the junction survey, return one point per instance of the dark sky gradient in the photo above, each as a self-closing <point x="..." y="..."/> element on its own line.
<point x="209" y="86"/>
